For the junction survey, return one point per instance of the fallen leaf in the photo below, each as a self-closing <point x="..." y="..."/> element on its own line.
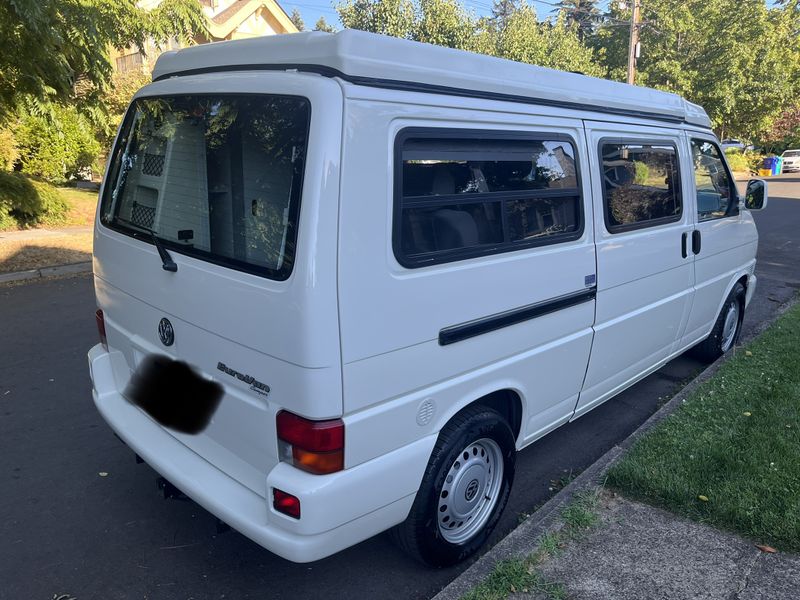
<point x="748" y="353"/>
<point x="703" y="498"/>
<point x="767" y="549"/>
<point x="747" y="414"/>
<point x="103" y="474"/>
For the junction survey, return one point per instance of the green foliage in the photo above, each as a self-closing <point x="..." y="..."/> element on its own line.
<point x="582" y="14"/>
<point x="739" y="59"/>
<point x="25" y="202"/>
<point x="322" y="25"/>
<point x="56" y="146"/>
<point x="641" y="173"/>
<point x="297" y="20"/>
<point x="49" y="45"/>
<point x="389" y="17"/>
<point x="444" y="23"/>
<point x="556" y="45"/>
<point x="9" y="153"/>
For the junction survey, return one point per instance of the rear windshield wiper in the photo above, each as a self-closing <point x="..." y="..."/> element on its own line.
<point x="166" y="260"/>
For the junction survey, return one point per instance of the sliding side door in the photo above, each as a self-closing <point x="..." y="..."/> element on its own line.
<point x="645" y="268"/>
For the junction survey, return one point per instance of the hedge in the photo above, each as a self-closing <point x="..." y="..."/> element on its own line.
<point x="25" y="202"/>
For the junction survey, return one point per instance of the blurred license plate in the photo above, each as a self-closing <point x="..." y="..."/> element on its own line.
<point x="173" y="394"/>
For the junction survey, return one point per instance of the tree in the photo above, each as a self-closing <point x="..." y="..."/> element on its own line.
<point x="737" y="58"/>
<point x="297" y="20"/>
<point x="582" y="14"/>
<point x="389" y="17"/>
<point x="444" y="23"/>
<point x="557" y="46"/>
<point x="502" y="11"/>
<point x="322" y="25"/>
<point x="49" y="44"/>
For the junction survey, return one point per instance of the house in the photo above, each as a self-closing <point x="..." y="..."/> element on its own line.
<point x="226" y="20"/>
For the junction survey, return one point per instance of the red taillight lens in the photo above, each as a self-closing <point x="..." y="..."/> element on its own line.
<point x="314" y="446"/>
<point x="101" y="327"/>
<point x="286" y="503"/>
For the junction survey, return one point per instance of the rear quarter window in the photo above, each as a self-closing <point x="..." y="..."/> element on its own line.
<point x="461" y="194"/>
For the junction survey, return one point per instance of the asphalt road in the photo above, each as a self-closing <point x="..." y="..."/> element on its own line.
<point x="64" y="529"/>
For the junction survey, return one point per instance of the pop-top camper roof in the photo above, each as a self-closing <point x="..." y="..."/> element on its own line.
<point x="382" y="61"/>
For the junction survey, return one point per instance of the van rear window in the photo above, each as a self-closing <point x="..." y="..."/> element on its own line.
<point x="217" y="177"/>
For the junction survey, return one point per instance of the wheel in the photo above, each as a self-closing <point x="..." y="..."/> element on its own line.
<point x="726" y="330"/>
<point x="464" y="489"/>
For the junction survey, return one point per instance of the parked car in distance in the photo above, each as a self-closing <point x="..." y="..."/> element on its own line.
<point x="732" y="143"/>
<point x="791" y="160"/>
<point x="343" y="279"/>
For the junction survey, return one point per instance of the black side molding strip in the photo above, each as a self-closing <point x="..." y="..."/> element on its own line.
<point x="412" y="86"/>
<point x="457" y="333"/>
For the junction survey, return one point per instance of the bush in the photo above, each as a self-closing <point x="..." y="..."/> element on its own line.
<point x="8" y="150"/>
<point x="25" y="202"/>
<point x="743" y="161"/>
<point x="56" y="146"/>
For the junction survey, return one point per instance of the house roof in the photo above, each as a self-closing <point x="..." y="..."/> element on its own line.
<point x="224" y="22"/>
<point x="370" y="59"/>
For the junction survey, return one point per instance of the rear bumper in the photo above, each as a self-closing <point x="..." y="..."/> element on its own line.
<point x="337" y="511"/>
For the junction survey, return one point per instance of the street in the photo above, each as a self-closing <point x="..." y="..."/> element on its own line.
<point x="78" y="516"/>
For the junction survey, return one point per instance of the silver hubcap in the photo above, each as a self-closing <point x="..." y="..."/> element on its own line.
<point x="729" y="328"/>
<point x="470" y="491"/>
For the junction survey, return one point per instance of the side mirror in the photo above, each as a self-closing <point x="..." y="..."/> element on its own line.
<point x="755" y="198"/>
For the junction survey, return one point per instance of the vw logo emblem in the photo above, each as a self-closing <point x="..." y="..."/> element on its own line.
<point x="165" y="332"/>
<point x="471" y="490"/>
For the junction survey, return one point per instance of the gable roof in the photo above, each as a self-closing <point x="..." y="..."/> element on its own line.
<point x="383" y="61"/>
<point x="224" y="22"/>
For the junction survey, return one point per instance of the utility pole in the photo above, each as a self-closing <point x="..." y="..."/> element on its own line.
<point x="633" y="44"/>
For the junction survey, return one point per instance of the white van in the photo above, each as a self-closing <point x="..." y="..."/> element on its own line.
<point x="343" y="279"/>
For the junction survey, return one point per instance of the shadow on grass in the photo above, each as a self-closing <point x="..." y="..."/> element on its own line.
<point x="29" y="256"/>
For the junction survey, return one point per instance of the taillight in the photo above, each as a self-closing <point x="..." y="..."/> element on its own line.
<point x="314" y="446"/>
<point x="286" y="503"/>
<point x="101" y="328"/>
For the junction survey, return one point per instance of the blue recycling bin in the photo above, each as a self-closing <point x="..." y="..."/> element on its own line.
<point x="770" y="164"/>
<point x="777" y="168"/>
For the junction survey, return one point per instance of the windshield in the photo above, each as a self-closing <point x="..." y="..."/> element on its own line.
<point x="792" y="153"/>
<point x="215" y="177"/>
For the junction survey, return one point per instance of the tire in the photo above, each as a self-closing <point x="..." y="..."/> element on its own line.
<point x="461" y="499"/>
<point x="727" y="328"/>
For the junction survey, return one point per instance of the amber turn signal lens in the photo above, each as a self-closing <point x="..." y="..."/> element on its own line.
<point x="319" y="463"/>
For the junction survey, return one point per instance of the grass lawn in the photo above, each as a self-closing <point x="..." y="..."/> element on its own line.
<point x="50" y="251"/>
<point x="730" y="456"/>
<point x="82" y="204"/>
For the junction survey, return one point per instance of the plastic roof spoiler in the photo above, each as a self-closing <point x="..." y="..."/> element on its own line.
<point x="381" y="61"/>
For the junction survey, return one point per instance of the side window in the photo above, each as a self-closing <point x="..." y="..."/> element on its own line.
<point x="641" y="184"/>
<point x="463" y="194"/>
<point x="716" y="192"/>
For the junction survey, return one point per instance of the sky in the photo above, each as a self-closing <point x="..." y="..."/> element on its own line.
<point x="311" y="10"/>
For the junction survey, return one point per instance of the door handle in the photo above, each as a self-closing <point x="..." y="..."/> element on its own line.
<point x="684" y="237"/>
<point x="696" y="242"/>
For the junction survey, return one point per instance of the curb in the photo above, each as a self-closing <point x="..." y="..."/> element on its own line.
<point x="81" y="267"/>
<point x="522" y="540"/>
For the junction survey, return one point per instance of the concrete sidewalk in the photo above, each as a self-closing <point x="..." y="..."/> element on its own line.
<point x="637" y="551"/>
<point x="41" y="233"/>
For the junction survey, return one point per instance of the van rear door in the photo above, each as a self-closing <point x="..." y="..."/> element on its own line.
<point x="236" y="177"/>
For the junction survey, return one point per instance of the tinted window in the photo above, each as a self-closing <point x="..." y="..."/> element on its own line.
<point x="641" y="185"/>
<point x="460" y="197"/>
<point x="216" y="177"/>
<point x="716" y="194"/>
